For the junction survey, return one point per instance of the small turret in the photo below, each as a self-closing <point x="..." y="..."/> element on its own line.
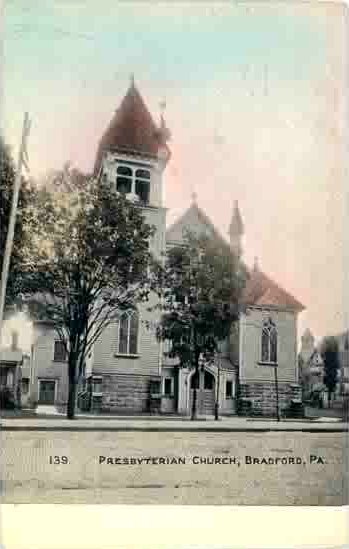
<point x="236" y="231"/>
<point x="307" y="345"/>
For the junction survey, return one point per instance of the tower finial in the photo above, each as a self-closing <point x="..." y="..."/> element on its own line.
<point x="132" y="80"/>
<point x="256" y="263"/>
<point x="194" y="197"/>
<point x="162" y="105"/>
<point x="164" y="132"/>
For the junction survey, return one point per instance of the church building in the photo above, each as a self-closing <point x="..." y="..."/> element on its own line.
<point x="129" y="370"/>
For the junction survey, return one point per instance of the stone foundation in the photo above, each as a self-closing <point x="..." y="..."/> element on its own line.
<point x="259" y="399"/>
<point x="127" y="394"/>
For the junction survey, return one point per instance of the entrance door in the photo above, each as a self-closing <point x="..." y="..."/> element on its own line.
<point x="205" y="394"/>
<point x="47" y="391"/>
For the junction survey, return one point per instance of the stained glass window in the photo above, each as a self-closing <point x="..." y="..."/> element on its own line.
<point x="128" y="333"/>
<point x="269" y="342"/>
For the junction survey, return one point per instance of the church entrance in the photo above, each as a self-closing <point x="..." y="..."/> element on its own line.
<point x="205" y="384"/>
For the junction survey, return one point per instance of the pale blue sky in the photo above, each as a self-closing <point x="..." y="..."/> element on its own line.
<point x="255" y="102"/>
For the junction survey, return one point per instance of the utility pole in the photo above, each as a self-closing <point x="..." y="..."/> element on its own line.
<point x="216" y="407"/>
<point x="22" y="160"/>
<point x="277" y="392"/>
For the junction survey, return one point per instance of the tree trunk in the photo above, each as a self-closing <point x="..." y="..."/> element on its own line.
<point x="216" y="406"/>
<point x="72" y="387"/>
<point x="329" y="398"/>
<point x="194" y="403"/>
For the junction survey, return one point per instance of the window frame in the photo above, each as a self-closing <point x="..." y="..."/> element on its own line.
<point x="171" y="393"/>
<point x="27" y="380"/>
<point x="96" y="380"/>
<point x="231" y="396"/>
<point x="129" y="315"/>
<point x="269" y="330"/>
<point x="59" y="359"/>
<point x="133" y="178"/>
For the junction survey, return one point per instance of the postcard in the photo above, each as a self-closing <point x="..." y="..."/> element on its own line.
<point x="174" y="304"/>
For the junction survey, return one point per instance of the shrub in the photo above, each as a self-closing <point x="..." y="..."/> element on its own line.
<point x="7" y="400"/>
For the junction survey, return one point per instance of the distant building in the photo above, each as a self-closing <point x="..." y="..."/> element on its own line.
<point x="311" y="368"/>
<point x="11" y="361"/>
<point x="343" y="349"/>
<point x="128" y="370"/>
<point x="312" y="365"/>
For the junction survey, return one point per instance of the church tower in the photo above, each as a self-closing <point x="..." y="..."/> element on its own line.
<point x="307" y="345"/>
<point x="132" y="156"/>
<point x="236" y="231"/>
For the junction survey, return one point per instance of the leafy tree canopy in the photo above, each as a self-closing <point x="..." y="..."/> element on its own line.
<point x="200" y="287"/>
<point x="330" y="355"/>
<point x="87" y="261"/>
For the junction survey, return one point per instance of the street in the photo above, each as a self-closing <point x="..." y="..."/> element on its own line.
<point x="227" y="468"/>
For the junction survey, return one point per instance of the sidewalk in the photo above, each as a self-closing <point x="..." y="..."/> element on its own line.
<point x="85" y="422"/>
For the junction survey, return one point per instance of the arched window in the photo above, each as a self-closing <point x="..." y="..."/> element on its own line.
<point x="136" y="181"/>
<point x="143" y="185"/>
<point x="124" y="179"/>
<point x="128" y="333"/>
<point x="269" y="342"/>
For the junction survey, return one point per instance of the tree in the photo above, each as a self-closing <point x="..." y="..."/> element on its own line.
<point x="7" y="178"/>
<point x="87" y="262"/>
<point x="199" y="286"/>
<point x="330" y="356"/>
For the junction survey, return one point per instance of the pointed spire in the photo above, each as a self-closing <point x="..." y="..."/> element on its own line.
<point x="236" y="230"/>
<point x="236" y="227"/>
<point x="194" y="198"/>
<point x="256" y="263"/>
<point x="164" y="132"/>
<point x="132" y="80"/>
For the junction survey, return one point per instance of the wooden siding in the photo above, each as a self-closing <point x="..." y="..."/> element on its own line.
<point x="251" y="324"/>
<point x="156" y="217"/>
<point x="107" y="360"/>
<point x="44" y="367"/>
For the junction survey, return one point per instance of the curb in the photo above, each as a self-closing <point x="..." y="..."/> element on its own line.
<point x="172" y="429"/>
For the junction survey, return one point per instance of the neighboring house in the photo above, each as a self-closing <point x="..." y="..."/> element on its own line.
<point x="311" y="366"/>
<point x="11" y="360"/>
<point x="343" y="375"/>
<point x="129" y="369"/>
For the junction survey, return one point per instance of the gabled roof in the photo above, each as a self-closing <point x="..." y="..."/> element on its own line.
<point x="132" y="130"/>
<point x="262" y="291"/>
<point x="195" y="220"/>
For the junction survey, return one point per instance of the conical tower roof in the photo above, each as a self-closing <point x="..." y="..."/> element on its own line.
<point x="132" y="130"/>
<point x="236" y="227"/>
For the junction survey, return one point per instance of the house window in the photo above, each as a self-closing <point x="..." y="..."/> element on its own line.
<point x="60" y="353"/>
<point x="269" y="342"/>
<point x="136" y="181"/>
<point x="128" y="333"/>
<point x="25" y="385"/>
<point x="96" y="385"/>
<point x="229" y="389"/>
<point x="168" y="386"/>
